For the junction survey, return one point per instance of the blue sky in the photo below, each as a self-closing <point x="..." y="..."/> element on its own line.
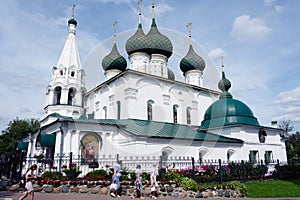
<point x="259" y="40"/>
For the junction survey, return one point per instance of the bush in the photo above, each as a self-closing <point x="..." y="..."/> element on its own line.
<point x="52" y="176"/>
<point x="96" y="175"/>
<point x="189" y="183"/>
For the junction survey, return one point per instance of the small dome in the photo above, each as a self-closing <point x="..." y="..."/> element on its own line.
<point x="159" y="43"/>
<point x="171" y="75"/>
<point x="192" y="61"/>
<point x="227" y="111"/>
<point x="139" y="42"/>
<point x="72" y="21"/>
<point x="114" y="60"/>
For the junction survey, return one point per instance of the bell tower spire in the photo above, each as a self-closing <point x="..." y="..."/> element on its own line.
<point x="67" y="86"/>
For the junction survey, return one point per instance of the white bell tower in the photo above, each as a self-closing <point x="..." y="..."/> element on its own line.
<point x="67" y="86"/>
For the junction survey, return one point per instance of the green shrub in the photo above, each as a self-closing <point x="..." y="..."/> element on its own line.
<point x="95" y="175"/>
<point x="189" y="183"/>
<point x="52" y="176"/>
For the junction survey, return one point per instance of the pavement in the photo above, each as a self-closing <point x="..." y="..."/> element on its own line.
<point x="7" y="195"/>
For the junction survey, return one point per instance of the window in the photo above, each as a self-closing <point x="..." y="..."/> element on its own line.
<point x="57" y="95"/>
<point x="118" y="109"/>
<point x="253" y="157"/>
<point x="188" y="115"/>
<point x="268" y="157"/>
<point x="149" y="109"/>
<point x="71" y="95"/>
<point x="61" y="72"/>
<point x="175" y="107"/>
<point x="262" y="136"/>
<point x="72" y="73"/>
<point x="105" y="112"/>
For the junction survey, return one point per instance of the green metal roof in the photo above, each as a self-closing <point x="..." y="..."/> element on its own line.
<point x="146" y="128"/>
<point x="155" y="129"/>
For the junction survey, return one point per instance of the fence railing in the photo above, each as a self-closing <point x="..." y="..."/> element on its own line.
<point x="59" y="162"/>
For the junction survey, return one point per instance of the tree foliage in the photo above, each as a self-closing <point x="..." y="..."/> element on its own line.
<point x="286" y="127"/>
<point x="16" y="130"/>
<point x="293" y="146"/>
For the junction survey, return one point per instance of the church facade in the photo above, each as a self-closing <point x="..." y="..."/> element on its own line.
<point x="141" y="112"/>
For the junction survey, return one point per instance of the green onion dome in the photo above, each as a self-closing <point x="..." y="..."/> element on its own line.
<point x="227" y="111"/>
<point x="171" y="75"/>
<point x="159" y="43"/>
<point x="114" y="60"/>
<point x="139" y="42"/>
<point x="192" y="61"/>
<point x="72" y="21"/>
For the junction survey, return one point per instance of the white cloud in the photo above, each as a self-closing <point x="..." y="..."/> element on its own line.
<point x="162" y="8"/>
<point x="269" y="2"/>
<point x="288" y="105"/>
<point x="216" y="53"/>
<point x="114" y="1"/>
<point x="249" y="29"/>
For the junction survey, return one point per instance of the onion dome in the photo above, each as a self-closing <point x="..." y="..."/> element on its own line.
<point x="72" y="20"/>
<point x="139" y="42"/>
<point x="159" y="43"/>
<point x="192" y="61"/>
<point x="171" y="75"/>
<point x="227" y="111"/>
<point x="114" y="60"/>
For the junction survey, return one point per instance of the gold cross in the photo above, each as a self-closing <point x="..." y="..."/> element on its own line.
<point x="189" y="28"/>
<point x="222" y="59"/>
<point x="115" y="31"/>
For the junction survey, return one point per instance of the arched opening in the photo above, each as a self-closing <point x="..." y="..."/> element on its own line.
<point x="230" y="153"/>
<point x="118" y="110"/>
<point x="165" y="153"/>
<point x="175" y="112"/>
<point x="105" y="112"/>
<point x="57" y="95"/>
<point x="188" y="115"/>
<point x="149" y="109"/>
<point x="71" y="95"/>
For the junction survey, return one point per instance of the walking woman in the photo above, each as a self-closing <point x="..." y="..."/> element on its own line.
<point x="30" y="176"/>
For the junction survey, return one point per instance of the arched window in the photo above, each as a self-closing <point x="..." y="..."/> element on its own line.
<point x="72" y="73"/>
<point x="188" y="115"/>
<point x="105" y="112"/>
<point x="57" y="95"/>
<point x="165" y="152"/>
<point x="71" y="95"/>
<point x="175" y="107"/>
<point x="118" y="110"/>
<point x="61" y="72"/>
<point x="149" y="109"/>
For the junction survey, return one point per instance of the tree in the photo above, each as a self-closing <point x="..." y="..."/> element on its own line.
<point x="285" y="127"/>
<point x="16" y="130"/>
<point x="293" y="146"/>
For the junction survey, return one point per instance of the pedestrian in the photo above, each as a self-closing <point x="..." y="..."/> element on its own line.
<point x="116" y="179"/>
<point x="30" y="176"/>
<point x="153" y="175"/>
<point x="138" y="183"/>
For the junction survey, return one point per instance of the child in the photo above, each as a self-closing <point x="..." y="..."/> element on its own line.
<point x="138" y="183"/>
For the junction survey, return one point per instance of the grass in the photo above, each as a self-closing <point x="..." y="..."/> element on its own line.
<point x="273" y="188"/>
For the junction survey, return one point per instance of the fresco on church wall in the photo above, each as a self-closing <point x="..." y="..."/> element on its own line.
<point x="89" y="149"/>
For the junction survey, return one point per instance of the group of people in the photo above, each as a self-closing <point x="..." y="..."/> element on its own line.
<point x="115" y="190"/>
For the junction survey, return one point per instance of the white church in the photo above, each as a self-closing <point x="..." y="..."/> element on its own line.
<point x="141" y="114"/>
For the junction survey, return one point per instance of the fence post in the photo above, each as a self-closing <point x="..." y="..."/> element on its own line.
<point x="193" y="165"/>
<point x="243" y="170"/>
<point x="220" y="170"/>
<point x="70" y="165"/>
<point x="160" y="171"/>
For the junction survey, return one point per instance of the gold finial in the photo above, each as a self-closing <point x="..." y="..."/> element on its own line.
<point x="73" y="8"/>
<point x="222" y="59"/>
<point x="189" y="31"/>
<point x="140" y="10"/>
<point x="115" y="31"/>
<point x="153" y="9"/>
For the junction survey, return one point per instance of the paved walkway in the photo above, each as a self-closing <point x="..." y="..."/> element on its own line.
<point x="6" y="195"/>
